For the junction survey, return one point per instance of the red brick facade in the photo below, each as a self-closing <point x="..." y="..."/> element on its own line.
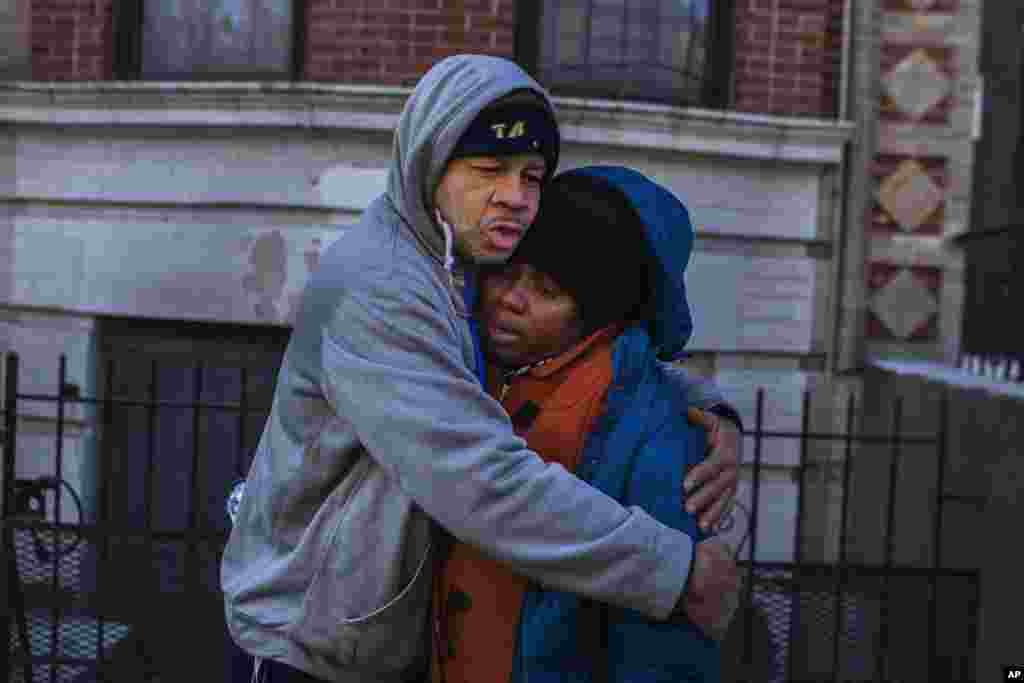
<point x="72" y="40"/>
<point x="788" y="55"/>
<point x="786" y="62"/>
<point x="393" y="42"/>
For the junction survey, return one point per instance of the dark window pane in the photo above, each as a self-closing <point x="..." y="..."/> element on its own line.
<point x="216" y="440"/>
<point x="197" y="38"/>
<point x="641" y="49"/>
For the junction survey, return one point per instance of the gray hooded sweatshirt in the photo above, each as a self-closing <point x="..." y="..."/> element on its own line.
<point x="379" y="429"/>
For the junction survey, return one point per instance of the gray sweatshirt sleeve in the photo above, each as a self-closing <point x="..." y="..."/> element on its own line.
<point x="393" y="368"/>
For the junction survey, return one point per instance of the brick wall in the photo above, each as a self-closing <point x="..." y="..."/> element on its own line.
<point x="394" y="42"/>
<point x="787" y="51"/>
<point x="788" y="55"/>
<point x="72" y="40"/>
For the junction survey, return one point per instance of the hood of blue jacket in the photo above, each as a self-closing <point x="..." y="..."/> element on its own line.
<point x="669" y="234"/>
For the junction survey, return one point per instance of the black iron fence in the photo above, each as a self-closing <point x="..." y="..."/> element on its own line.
<point x="128" y="589"/>
<point x="844" y="620"/>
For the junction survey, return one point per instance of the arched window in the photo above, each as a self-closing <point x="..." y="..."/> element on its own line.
<point x="671" y="51"/>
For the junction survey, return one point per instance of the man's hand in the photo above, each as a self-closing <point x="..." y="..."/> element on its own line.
<point x="711" y="485"/>
<point x="713" y="589"/>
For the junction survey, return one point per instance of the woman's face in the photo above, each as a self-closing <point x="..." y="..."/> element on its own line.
<point x="526" y="316"/>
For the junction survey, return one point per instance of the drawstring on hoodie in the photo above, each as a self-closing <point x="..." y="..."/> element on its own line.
<point x="468" y="295"/>
<point x="449" y="259"/>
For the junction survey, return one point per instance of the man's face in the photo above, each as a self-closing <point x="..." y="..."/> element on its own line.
<point x="526" y="316"/>
<point x="490" y="202"/>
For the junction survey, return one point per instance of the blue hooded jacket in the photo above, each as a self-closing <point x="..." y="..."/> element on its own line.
<point x="637" y="454"/>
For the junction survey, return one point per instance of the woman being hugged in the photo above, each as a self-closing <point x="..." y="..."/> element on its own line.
<point x="578" y="328"/>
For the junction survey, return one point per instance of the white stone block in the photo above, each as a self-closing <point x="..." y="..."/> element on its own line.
<point x="189" y="166"/>
<point x="349" y="187"/>
<point x="728" y="196"/>
<point x="744" y="303"/>
<point x="48" y="265"/>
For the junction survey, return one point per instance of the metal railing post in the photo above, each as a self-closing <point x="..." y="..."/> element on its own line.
<point x="795" y="604"/>
<point x="840" y="582"/>
<point x="56" y="533"/>
<point x="9" y="567"/>
<point x="241" y="467"/>
<point x="882" y="657"/>
<point x="973" y="606"/>
<point x="192" y="543"/>
<point x="153" y="578"/>
<point x="10" y="431"/>
<point x="748" y="646"/>
<point x="940" y="492"/>
<point x="105" y="526"/>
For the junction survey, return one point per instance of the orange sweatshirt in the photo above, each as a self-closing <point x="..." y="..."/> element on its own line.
<point x="477" y="599"/>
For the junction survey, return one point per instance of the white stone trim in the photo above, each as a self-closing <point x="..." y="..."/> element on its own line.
<point x="714" y="133"/>
<point x="376" y="108"/>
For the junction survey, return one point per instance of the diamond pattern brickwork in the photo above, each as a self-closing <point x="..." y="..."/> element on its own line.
<point x="910" y="196"/>
<point x="903" y="302"/>
<point x="917" y="83"/>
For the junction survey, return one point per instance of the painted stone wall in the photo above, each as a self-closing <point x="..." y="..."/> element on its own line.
<point x="159" y="224"/>
<point x="168" y="223"/>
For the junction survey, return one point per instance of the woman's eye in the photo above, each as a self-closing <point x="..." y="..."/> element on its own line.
<point x="549" y="290"/>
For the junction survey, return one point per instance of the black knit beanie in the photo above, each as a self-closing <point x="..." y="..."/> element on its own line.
<point x="517" y="123"/>
<point x="590" y="240"/>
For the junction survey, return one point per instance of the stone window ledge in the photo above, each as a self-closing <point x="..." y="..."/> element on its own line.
<point x="376" y="108"/>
